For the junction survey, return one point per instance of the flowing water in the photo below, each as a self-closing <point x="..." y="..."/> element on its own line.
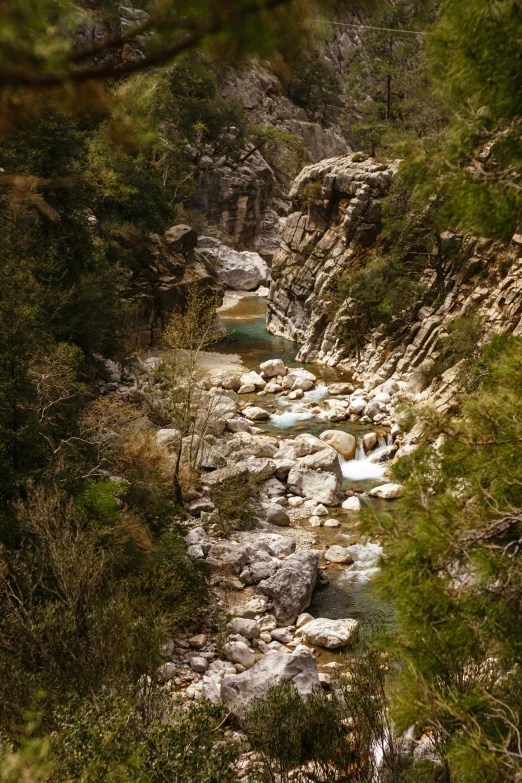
<point x="349" y="593"/>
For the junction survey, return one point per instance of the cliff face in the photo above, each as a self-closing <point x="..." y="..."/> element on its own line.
<point x="162" y="285"/>
<point x="240" y="193"/>
<point x="337" y="218"/>
<point x="336" y="231"/>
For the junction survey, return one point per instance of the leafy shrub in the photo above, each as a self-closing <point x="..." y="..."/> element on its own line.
<point x="460" y="344"/>
<point x="311" y="192"/>
<point x="110" y="738"/>
<point x="385" y="291"/>
<point x="235" y="500"/>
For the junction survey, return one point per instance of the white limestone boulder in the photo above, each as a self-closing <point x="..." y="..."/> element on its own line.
<point x="239" y="270"/>
<point x="298" y="669"/>
<point x="338" y="554"/>
<point x="319" y="485"/>
<point x="255" y="413"/>
<point x="331" y="634"/>
<point x="352" y="504"/>
<point x="387" y="491"/>
<point x="292" y="586"/>
<point x="344" y="443"/>
<point x="272" y="368"/>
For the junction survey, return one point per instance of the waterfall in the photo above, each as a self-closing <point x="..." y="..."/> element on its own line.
<point x="362" y="467"/>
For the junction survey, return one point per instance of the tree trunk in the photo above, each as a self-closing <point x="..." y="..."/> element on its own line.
<point x="178" y="491"/>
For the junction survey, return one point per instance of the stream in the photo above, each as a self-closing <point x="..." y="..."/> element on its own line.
<point x="349" y="592"/>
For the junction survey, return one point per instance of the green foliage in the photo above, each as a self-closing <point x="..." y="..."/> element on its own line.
<point x="385" y="94"/>
<point x="152" y="740"/>
<point x="460" y="344"/>
<point x="474" y="167"/>
<point x="452" y="565"/>
<point x="311" y="192"/>
<point x="234" y="499"/>
<point x="289" y="731"/>
<point x="314" y="85"/>
<point x="384" y="290"/>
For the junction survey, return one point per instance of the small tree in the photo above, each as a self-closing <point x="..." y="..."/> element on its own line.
<point x="190" y="330"/>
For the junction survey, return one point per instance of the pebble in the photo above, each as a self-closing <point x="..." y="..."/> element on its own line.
<point x="316" y="522"/>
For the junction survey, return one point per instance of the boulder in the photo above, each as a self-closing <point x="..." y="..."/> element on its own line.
<point x="260" y="468"/>
<point x="370" y="441"/>
<point x="247" y="388"/>
<point x="309" y="442"/>
<point x="167" y="672"/>
<point x="299" y="374"/>
<point x="198" y="641"/>
<point x="281" y="635"/>
<point x="340" y="388"/>
<point x="292" y="585"/>
<point x="273" y="388"/>
<point x="231" y="383"/>
<point x="197" y="507"/>
<point x="338" y="554"/>
<point x="331" y="634"/>
<point x="262" y="569"/>
<point x="196" y="536"/>
<point x="357" y="406"/>
<point x="332" y="523"/>
<point x="303" y="618"/>
<point x="302" y="384"/>
<point x="320" y="511"/>
<point x="276" y="515"/>
<point x="217" y="477"/>
<point x="169" y="438"/>
<point x="299" y="669"/>
<point x="210" y="690"/>
<point x="237" y="425"/>
<point x="279" y="546"/>
<point x="181" y="239"/>
<point x="198" y="664"/>
<point x="239" y="652"/>
<point x="272" y="368"/>
<point x="195" y="551"/>
<point x="245" y="627"/>
<point x="273" y="487"/>
<point x="319" y="485"/>
<point x="352" y="504"/>
<point x="387" y="491"/>
<point x="254" y="378"/>
<point x="344" y="443"/>
<point x="238" y="270"/>
<point x="384" y="455"/>
<point x="228" y="555"/>
<point x="326" y="460"/>
<point x="257" y="605"/>
<point x="256" y="414"/>
<point x="296" y="394"/>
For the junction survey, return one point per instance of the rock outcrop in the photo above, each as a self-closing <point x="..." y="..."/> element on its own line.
<point x="337" y="217"/>
<point x="157" y="288"/>
<point x="337" y="220"/>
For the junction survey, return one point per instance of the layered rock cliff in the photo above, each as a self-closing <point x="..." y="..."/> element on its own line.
<point x="162" y="285"/>
<point x="333" y="230"/>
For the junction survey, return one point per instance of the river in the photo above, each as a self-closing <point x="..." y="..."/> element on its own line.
<point x="349" y="592"/>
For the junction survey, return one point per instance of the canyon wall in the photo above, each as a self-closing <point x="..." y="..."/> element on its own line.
<point x="333" y="230"/>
